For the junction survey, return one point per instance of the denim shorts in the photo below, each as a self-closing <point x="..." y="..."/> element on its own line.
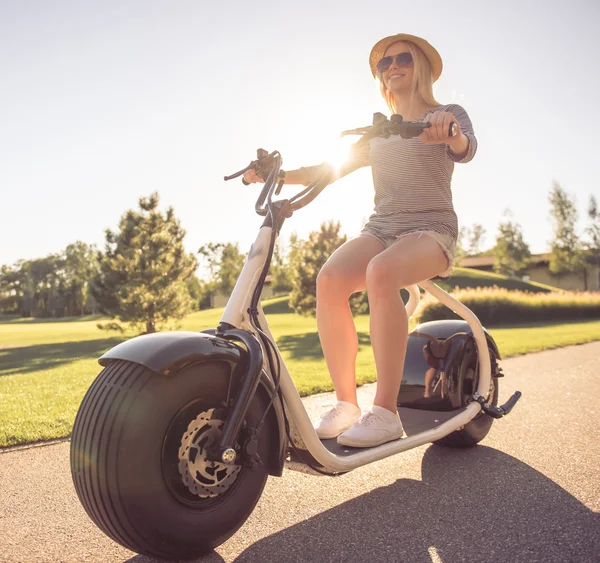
<point x="446" y="242"/>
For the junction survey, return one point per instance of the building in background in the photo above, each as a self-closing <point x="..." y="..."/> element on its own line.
<point x="539" y="271"/>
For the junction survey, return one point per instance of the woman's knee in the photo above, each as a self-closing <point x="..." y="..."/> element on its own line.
<point x="380" y="277"/>
<point x="332" y="280"/>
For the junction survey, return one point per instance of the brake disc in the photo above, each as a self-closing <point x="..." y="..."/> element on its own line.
<point x="202" y="477"/>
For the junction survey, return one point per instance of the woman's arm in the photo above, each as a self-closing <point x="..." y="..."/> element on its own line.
<point x="359" y="157"/>
<point x="461" y="148"/>
<point x="299" y="176"/>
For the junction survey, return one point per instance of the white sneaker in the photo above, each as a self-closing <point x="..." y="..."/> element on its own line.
<point x="375" y="427"/>
<point x="341" y="417"/>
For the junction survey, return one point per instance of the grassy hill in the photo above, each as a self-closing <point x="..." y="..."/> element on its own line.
<point x="461" y="278"/>
<point x="468" y="277"/>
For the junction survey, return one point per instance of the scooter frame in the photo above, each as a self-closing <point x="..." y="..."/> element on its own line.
<point x="236" y="315"/>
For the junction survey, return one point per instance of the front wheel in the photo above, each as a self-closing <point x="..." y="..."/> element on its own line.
<point x="139" y="464"/>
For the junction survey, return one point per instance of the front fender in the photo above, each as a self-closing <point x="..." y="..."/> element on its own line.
<point x="167" y="353"/>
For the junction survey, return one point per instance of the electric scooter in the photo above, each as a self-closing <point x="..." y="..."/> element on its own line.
<point x="174" y="440"/>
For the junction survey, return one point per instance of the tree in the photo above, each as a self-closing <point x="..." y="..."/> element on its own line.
<point x="80" y="266"/>
<point x="593" y="231"/>
<point x="476" y="237"/>
<point x="461" y="251"/>
<point x="41" y="285"/>
<point x="144" y="269"/>
<point x="566" y="250"/>
<point x="53" y="286"/>
<point x="281" y="269"/>
<point x="225" y="263"/>
<point x="194" y="286"/>
<point x="10" y="290"/>
<point x="511" y="253"/>
<point x="307" y="258"/>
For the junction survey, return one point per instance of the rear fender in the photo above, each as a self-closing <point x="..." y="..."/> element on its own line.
<point x="167" y="353"/>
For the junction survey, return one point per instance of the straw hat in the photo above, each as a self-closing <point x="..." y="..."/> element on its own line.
<point x="432" y="55"/>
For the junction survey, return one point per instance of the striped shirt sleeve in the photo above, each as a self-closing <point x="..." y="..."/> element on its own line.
<point x="467" y="129"/>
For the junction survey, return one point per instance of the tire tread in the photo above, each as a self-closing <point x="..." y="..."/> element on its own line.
<point x="99" y="410"/>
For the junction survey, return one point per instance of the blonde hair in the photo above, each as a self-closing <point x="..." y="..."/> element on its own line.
<point x="422" y="82"/>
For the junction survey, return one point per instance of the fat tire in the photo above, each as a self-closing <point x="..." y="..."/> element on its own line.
<point x="476" y="429"/>
<point x="117" y="464"/>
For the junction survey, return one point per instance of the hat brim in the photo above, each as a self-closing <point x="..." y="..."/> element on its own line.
<point x="381" y="46"/>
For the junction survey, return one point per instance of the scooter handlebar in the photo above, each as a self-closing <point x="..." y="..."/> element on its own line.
<point x="268" y="165"/>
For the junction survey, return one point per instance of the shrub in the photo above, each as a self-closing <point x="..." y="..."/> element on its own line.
<point x="496" y="306"/>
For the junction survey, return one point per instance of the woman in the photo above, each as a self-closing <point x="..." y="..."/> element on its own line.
<point x="410" y="237"/>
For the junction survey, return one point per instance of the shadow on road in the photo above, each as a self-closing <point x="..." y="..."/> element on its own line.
<point x="471" y="505"/>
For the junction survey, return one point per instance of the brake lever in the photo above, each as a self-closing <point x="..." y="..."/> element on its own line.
<point x="261" y="161"/>
<point x="240" y="172"/>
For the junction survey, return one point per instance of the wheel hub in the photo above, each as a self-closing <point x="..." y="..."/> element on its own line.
<point x="202" y="477"/>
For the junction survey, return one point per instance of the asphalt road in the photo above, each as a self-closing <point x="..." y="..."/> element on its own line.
<point x="530" y="492"/>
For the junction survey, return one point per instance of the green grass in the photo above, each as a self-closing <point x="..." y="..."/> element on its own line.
<point x="535" y="337"/>
<point x="46" y="367"/>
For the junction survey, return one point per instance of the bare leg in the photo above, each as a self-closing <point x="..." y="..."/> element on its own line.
<point x="342" y="275"/>
<point x="408" y="261"/>
<point x="429" y="375"/>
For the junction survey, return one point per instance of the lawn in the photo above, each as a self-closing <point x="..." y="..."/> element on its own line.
<point x="46" y="367"/>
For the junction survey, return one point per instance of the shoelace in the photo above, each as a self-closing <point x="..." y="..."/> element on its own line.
<point x="367" y="418"/>
<point x="335" y="411"/>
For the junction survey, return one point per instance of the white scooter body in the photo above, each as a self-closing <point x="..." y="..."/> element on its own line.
<point x="235" y="314"/>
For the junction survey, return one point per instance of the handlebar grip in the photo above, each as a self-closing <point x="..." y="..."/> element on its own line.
<point x="452" y="128"/>
<point x="245" y="183"/>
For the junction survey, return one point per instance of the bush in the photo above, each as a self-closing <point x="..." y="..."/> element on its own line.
<point x="496" y="306"/>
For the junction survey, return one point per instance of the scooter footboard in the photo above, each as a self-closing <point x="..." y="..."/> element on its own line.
<point x="440" y="370"/>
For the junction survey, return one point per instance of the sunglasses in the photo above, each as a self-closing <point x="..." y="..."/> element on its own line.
<point x="386" y="62"/>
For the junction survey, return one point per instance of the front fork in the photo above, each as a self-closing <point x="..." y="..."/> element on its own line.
<point x="225" y="451"/>
<point x="237" y="314"/>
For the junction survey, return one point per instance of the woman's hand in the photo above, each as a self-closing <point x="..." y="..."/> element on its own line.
<point x="438" y="133"/>
<point x="252" y="177"/>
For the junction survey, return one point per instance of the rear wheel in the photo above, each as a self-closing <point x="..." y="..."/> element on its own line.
<point x="139" y="464"/>
<point x="476" y="429"/>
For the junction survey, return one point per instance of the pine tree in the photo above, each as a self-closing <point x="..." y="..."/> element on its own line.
<point x="144" y="268"/>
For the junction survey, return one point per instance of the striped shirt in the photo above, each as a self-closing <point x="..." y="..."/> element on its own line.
<point x="411" y="180"/>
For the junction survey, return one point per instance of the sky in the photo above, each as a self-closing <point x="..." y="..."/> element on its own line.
<point x="105" y="102"/>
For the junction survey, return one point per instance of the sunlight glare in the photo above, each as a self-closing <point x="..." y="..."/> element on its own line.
<point x="338" y="152"/>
